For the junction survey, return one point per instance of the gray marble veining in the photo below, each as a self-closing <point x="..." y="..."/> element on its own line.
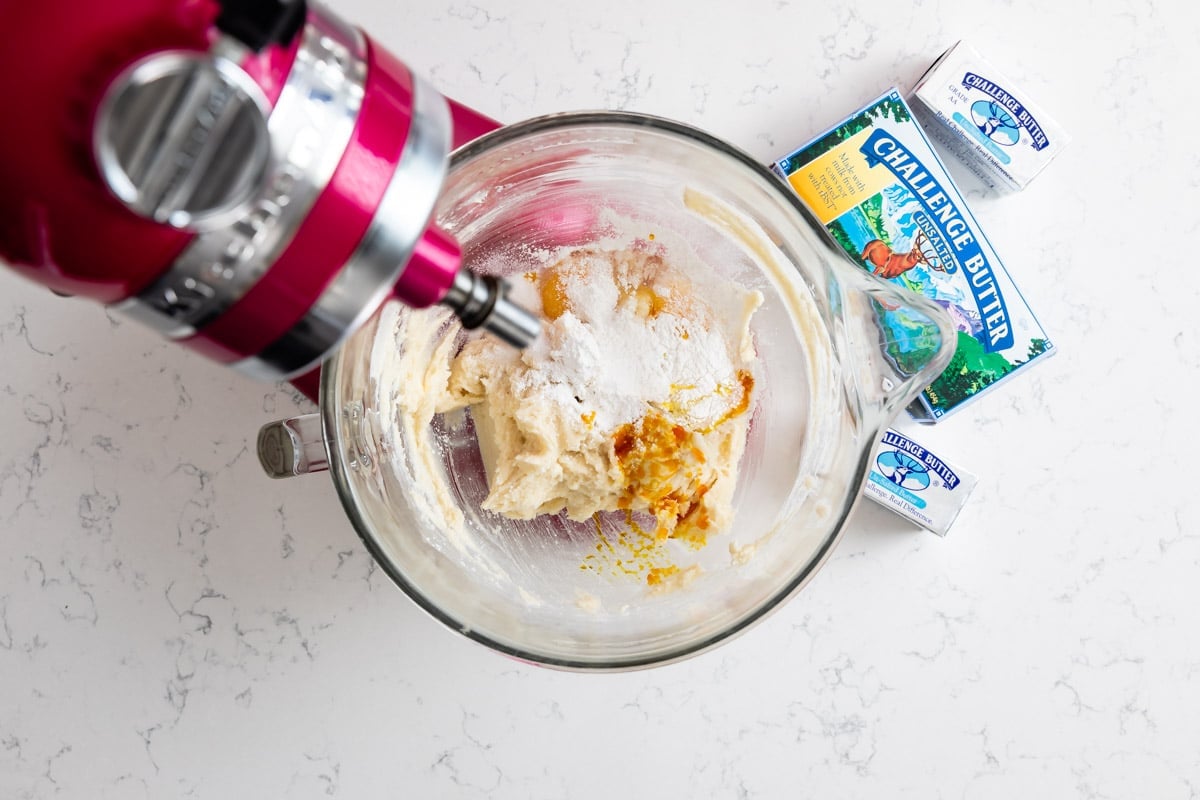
<point x="173" y="624"/>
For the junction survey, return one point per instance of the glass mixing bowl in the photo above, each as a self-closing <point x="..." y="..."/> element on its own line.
<point x="571" y="594"/>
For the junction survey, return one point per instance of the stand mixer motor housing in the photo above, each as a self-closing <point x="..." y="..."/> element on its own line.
<point x="250" y="179"/>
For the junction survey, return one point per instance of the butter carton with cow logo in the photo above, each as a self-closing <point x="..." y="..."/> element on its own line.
<point x="877" y="186"/>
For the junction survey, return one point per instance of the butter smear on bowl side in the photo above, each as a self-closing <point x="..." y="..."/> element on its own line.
<point x="875" y="183"/>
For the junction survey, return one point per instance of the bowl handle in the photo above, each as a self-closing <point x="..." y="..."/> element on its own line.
<point x="293" y="446"/>
<point x="901" y="340"/>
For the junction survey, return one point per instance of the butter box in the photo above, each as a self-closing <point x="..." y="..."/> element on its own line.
<point x="985" y="120"/>
<point x="917" y="483"/>
<point x="875" y="183"/>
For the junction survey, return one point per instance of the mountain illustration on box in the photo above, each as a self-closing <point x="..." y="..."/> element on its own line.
<point x="886" y="200"/>
<point x="891" y="216"/>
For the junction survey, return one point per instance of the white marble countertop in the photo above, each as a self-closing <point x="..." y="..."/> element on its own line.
<point x="173" y="624"/>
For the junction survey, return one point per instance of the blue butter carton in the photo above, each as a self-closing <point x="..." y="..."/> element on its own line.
<point x="917" y="483"/>
<point x="875" y="183"/>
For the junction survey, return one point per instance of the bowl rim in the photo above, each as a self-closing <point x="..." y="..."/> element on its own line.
<point x="345" y="491"/>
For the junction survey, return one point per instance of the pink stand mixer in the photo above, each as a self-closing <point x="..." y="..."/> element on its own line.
<point x="251" y="179"/>
<point x="255" y="180"/>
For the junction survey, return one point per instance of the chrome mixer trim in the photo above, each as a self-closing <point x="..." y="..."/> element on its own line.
<point x="371" y="271"/>
<point x="161" y="128"/>
<point x="310" y="127"/>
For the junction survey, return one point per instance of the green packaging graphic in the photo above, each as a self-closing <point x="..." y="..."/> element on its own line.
<point x="876" y="184"/>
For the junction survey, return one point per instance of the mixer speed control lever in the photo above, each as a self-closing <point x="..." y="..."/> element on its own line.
<point x="261" y="23"/>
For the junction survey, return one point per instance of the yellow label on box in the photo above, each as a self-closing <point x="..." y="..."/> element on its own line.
<point x="839" y="180"/>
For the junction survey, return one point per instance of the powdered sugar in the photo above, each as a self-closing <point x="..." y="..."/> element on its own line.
<point x="637" y="397"/>
<point x="631" y="335"/>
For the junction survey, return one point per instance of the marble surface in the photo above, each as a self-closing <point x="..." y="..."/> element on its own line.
<point x="173" y="624"/>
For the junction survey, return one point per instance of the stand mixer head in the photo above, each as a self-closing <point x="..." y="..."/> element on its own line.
<point x="250" y="179"/>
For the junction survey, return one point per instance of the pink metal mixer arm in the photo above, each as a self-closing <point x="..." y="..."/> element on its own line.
<point x="61" y="227"/>
<point x="468" y="123"/>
